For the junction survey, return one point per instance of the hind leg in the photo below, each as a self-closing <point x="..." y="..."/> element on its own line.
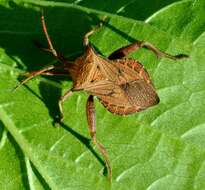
<point x="124" y="51"/>
<point x="90" y="109"/>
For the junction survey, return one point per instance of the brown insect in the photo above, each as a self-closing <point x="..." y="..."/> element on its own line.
<point x="122" y="85"/>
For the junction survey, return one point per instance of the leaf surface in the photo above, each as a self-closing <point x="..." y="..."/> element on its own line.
<point x="160" y="148"/>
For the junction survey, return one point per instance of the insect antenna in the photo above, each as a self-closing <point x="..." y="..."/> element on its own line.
<point x="53" y="51"/>
<point x="33" y="74"/>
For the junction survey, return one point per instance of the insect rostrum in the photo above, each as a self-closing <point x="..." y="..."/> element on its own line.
<point x="122" y="85"/>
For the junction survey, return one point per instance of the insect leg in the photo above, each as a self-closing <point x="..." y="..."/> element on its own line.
<point x="122" y="52"/>
<point x="90" y="110"/>
<point x="62" y="100"/>
<point x="35" y="73"/>
<point x="50" y="73"/>
<point x="88" y="34"/>
<point x="86" y="37"/>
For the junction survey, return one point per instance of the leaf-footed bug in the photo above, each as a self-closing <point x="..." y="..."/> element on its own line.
<point x="122" y="85"/>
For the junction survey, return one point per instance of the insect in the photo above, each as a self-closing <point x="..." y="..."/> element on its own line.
<point x="122" y="85"/>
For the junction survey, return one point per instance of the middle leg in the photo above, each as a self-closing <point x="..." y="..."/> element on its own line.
<point x="61" y="101"/>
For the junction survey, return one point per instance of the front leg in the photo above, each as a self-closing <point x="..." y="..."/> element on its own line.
<point x="88" y="34"/>
<point x="90" y="110"/>
<point x="124" y="51"/>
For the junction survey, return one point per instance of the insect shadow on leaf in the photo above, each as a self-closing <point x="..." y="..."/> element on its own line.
<point x="50" y="96"/>
<point x="21" y="157"/>
<point x="40" y="178"/>
<point x="122" y="85"/>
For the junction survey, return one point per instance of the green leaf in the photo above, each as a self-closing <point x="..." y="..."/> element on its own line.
<point x="186" y="22"/>
<point x="187" y="25"/>
<point x="139" y="10"/>
<point x="160" y="148"/>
